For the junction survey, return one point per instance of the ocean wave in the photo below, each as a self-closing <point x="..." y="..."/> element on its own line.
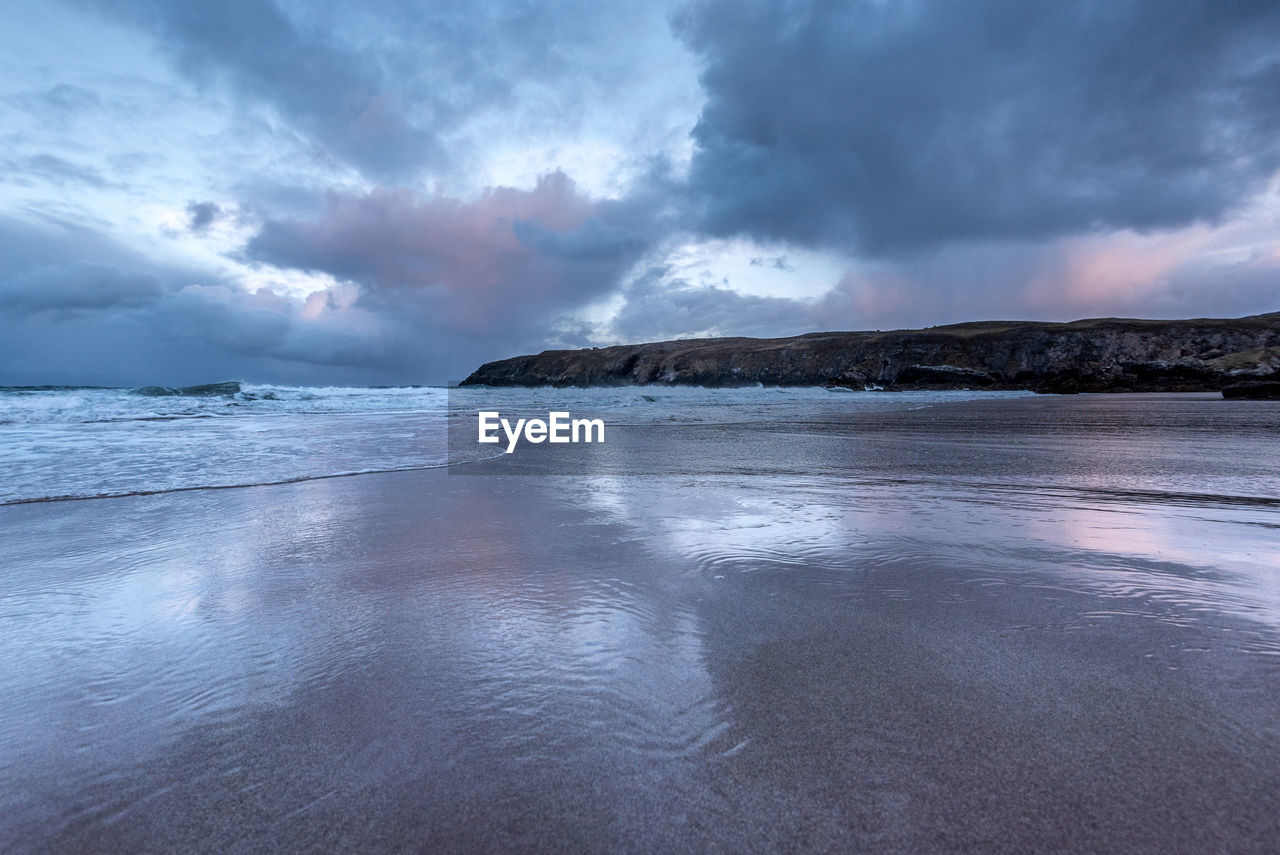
<point x="206" y="390"/>
<point x="121" y="494"/>
<point x="88" y="404"/>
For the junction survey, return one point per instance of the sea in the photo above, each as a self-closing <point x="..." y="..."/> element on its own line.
<point x="74" y="442"/>
<point x="248" y="618"/>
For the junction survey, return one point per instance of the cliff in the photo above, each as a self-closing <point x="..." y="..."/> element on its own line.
<point x="1100" y="355"/>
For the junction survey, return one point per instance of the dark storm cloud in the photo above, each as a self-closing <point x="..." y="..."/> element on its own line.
<point x="893" y="126"/>
<point x="77" y="308"/>
<point x="77" y="286"/>
<point x="25" y="248"/>
<point x="340" y="96"/>
<point x="593" y="240"/>
<point x="381" y="84"/>
<point x="183" y="341"/>
<point x="230" y="321"/>
<point x="202" y="215"/>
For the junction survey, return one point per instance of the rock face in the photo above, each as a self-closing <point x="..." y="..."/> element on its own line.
<point x="1103" y="355"/>
<point x="1264" y="390"/>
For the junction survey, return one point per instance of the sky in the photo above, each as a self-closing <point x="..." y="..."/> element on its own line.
<point x="382" y="191"/>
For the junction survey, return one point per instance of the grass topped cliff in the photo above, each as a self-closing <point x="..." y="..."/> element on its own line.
<point x="1096" y="355"/>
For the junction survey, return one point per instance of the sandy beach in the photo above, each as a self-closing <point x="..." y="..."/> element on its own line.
<point x="1008" y="625"/>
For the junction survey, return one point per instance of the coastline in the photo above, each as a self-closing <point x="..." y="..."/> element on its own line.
<point x="1097" y="355"/>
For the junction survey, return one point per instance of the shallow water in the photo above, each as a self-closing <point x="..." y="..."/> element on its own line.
<point x="59" y="443"/>
<point x="1010" y="623"/>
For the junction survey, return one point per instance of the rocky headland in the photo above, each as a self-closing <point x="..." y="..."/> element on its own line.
<point x="1099" y="355"/>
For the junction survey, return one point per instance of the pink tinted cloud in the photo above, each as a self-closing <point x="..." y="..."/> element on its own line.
<point x="467" y="263"/>
<point x="1106" y="274"/>
<point x="1196" y="271"/>
<point x="329" y="301"/>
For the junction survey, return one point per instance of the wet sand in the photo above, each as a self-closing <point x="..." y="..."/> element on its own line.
<point x="1044" y="624"/>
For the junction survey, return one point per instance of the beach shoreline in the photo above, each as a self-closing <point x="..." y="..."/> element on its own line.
<point x="1016" y="624"/>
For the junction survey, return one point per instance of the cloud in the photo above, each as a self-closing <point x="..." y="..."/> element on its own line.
<point x="79" y="286"/>
<point x="499" y="266"/>
<point x="418" y="290"/>
<point x="202" y="215"/>
<point x="69" y="99"/>
<point x="657" y="306"/>
<point x="888" y="128"/>
<point x="922" y="161"/>
<point x="342" y="97"/>
<point x="1194" y="272"/>
<point x="200" y="333"/>
<point x="53" y="169"/>
<point x="58" y="106"/>
<point x="395" y="88"/>
<point x="78" y="308"/>
<point x="776" y="263"/>
<point x="1186" y="273"/>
